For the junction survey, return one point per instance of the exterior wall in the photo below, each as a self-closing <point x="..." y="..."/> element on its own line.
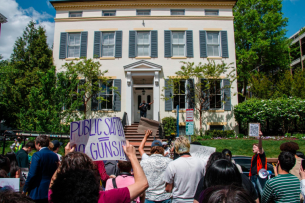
<point x="169" y="66"/>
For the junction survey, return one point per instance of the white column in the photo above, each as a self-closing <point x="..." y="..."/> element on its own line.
<point x="129" y="99"/>
<point x="156" y="96"/>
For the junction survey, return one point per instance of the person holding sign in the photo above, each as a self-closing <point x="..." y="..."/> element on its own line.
<point x="143" y="108"/>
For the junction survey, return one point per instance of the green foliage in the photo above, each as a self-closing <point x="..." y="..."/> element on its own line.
<point x="287" y="134"/>
<point x="281" y="113"/>
<point x="220" y="133"/>
<point x="169" y="126"/>
<point x="299" y="136"/>
<point x="240" y="136"/>
<point x="302" y="30"/>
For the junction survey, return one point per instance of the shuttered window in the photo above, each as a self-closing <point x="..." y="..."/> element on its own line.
<point x="179" y="94"/>
<point x="106" y="94"/>
<point x="213" y="43"/>
<point x="216" y="94"/>
<point x="74" y="40"/>
<point x="143" y="43"/>
<point x="178" y="43"/>
<point x="108" y="44"/>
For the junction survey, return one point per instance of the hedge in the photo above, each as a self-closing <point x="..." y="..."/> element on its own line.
<point x="220" y="133"/>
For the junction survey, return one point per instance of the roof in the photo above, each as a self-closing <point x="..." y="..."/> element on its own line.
<point x="3" y="19"/>
<point x="125" y="0"/>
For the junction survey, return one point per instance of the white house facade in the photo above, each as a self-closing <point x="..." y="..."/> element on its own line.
<point x="141" y="44"/>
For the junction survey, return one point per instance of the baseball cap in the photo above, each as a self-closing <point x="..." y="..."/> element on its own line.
<point x="156" y="143"/>
<point x="56" y="144"/>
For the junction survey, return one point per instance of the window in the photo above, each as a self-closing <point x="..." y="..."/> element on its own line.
<point x="143" y="43"/>
<point x="213" y="44"/>
<point x="75" y="14"/>
<point x="107" y="95"/>
<point x="177" y="12"/>
<point x="143" y="12"/>
<point x="215" y="94"/>
<point x="211" y="12"/>
<point x="178" y="43"/>
<point x="216" y="127"/>
<point x="108" y="44"/>
<point x="74" y="45"/>
<point x="179" y="94"/>
<point x="109" y="13"/>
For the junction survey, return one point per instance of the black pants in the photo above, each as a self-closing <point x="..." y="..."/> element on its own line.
<point x="143" y="113"/>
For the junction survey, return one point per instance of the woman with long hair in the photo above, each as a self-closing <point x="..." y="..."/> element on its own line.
<point x="15" y="171"/>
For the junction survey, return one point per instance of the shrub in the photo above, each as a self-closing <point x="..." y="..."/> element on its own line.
<point x="299" y="136"/>
<point x="169" y="126"/>
<point x="240" y="135"/>
<point x="220" y="133"/>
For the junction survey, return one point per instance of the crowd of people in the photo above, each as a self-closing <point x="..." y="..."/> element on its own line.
<point x="157" y="178"/>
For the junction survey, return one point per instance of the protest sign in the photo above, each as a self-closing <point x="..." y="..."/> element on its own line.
<point x="147" y="124"/>
<point x="254" y="129"/>
<point x="202" y="152"/>
<point x="99" y="138"/>
<point x="24" y="173"/>
<point x="10" y="182"/>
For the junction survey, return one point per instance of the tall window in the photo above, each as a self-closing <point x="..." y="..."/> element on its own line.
<point x="143" y="12"/>
<point x="178" y="43"/>
<point x="179" y="94"/>
<point x="213" y="43"/>
<point x="143" y="43"/>
<point x="109" y="13"/>
<point x="211" y="12"/>
<point x="148" y="101"/>
<point x="107" y="94"/>
<point x="75" y="14"/>
<point x="74" y="45"/>
<point x="108" y="44"/>
<point x="215" y="94"/>
<point x="177" y="12"/>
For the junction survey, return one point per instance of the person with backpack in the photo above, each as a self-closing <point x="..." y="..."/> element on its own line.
<point x="143" y="108"/>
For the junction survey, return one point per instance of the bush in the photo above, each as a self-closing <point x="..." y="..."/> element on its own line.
<point x="299" y="136"/>
<point x="169" y="126"/>
<point x="240" y="135"/>
<point x="220" y="133"/>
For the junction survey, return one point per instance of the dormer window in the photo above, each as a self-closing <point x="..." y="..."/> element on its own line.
<point x="75" y="14"/>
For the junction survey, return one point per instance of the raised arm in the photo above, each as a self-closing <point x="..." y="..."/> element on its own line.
<point x="260" y="143"/>
<point x="141" y="183"/>
<point x="151" y="102"/>
<point x="141" y="147"/>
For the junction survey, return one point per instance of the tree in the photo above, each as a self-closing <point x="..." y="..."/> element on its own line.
<point x="205" y="83"/>
<point x="260" y="39"/>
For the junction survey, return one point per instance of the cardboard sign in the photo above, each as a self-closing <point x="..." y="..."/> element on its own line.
<point x="189" y="128"/>
<point x="99" y="138"/>
<point x="147" y="124"/>
<point x="189" y="115"/>
<point x="254" y="129"/>
<point x="24" y="173"/>
<point x="202" y="152"/>
<point x="10" y="182"/>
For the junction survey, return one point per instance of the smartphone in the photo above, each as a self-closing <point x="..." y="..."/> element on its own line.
<point x="303" y="164"/>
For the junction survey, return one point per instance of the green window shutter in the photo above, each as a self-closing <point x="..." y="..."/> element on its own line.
<point x="117" y="95"/>
<point x="227" y="94"/>
<point x="203" y="44"/>
<point x="154" y="44"/>
<point x="132" y="44"/>
<point x="190" y="93"/>
<point x="189" y="44"/>
<point x="224" y="44"/>
<point x="83" y="44"/>
<point x="118" y="44"/>
<point x="63" y="45"/>
<point x="94" y="100"/>
<point x="97" y="44"/>
<point x="167" y="43"/>
<point x="205" y="94"/>
<point x="168" y="94"/>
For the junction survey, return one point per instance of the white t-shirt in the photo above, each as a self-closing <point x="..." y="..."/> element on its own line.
<point x="185" y="173"/>
<point x="145" y="156"/>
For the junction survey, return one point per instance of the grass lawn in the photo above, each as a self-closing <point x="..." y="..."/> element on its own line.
<point x="244" y="147"/>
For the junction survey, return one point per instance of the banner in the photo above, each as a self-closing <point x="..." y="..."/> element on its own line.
<point x="99" y="138"/>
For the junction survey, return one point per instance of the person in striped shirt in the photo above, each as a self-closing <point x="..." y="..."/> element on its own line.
<point x="285" y="187"/>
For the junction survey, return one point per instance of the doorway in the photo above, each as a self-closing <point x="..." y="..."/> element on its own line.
<point x="138" y="98"/>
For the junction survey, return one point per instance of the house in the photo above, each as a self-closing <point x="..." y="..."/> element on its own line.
<point x="297" y="49"/>
<point x="3" y="19"/>
<point x="142" y="43"/>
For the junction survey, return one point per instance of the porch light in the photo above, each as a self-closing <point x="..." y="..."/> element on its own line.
<point x="143" y="91"/>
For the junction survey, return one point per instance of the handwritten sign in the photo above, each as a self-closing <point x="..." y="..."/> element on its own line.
<point x="10" y="182"/>
<point x="202" y="152"/>
<point x="99" y="138"/>
<point x="254" y="129"/>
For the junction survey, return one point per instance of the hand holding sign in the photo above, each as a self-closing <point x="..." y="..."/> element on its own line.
<point x="69" y="149"/>
<point x="129" y="150"/>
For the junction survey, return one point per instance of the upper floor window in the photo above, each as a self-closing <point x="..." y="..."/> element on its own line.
<point x="178" y="43"/>
<point x="179" y="94"/>
<point x="108" y="43"/>
<point x="215" y="94"/>
<point x="109" y="13"/>
<point x="177" y="12"/>
<point x="74" y="45"/>
<point x="213" y="43"/>
<point x="143" y="43"/>
<point x="76" y="14"/>
<point x="211" y="12"/>
<point x="143" y="12"/>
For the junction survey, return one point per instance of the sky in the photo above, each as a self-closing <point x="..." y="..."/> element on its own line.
<point x="20" y="12"/>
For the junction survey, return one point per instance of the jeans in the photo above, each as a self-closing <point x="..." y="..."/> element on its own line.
<point x="143" y="113"/>
<point x="163" y="201"/>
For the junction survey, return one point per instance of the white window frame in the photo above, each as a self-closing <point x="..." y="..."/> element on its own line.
<point x="221" y="97"/>
<point x="80" y="38"/>
<point x="75" y="12"/>
<point x="184" y="40"/>
<point x="144" y="10"/>
<point x="101" y="95"/>
<point x="219" y="44"/>
<point x="211" y="10"/>
<point x="149" y="47"/>
<point x="110" y="11"/>
<point x="176" y="10"/>
<point x="185" y="96"/>
<point x="107" y="45"/>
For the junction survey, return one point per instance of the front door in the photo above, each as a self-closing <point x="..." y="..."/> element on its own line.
<point x="139" y="97"/>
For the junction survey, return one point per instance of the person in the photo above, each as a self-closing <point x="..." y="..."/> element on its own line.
<point x="100" y="167"/>
<point x="227" y="154"/>
<point x="154" y="168"/>
<point x="5" y="163"/>
<point x="166" y="149"/>
<point x="142" y="145"/>
<point x="22" y="154"/>
<point x="17" y="145"/>
<point x="120" y="195"/>
<point x="213" y="157"/>
<point x="183" y="174"/>
<point x="10" y="196"/>
<point x="284" y="187"/>
<point x="225" y="194"/>
<point x="44" y="164"/>
<point x="302" y="174"/>
<point x="124" y="179"/>
<point x="14" y="168"/>
<point x="258" y="161"/>
<point x="292" y="147"/>
<point x="3" y="173"/>
<point x="143" y="108"/>
<point x="224" y="172"/>
<point x="56" y="147"/>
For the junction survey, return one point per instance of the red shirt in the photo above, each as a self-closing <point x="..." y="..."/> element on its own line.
<point x="101" y="169"/>
<point x="120" y="195"/>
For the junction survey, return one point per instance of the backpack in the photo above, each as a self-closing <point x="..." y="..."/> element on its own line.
<point x="111" y="167"/>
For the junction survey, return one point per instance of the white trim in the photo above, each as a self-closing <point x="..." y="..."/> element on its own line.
<point x="142" y="74"/>
<point x="142" y="85"/>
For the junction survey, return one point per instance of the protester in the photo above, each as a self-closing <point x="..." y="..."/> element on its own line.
<point x="285" y="187"/>
<point x="14" y="168"/>
<point x="302" y="174"/>
<point x="143" y="108"/>
<point x="167" y="150"/>
<point x="224" y="172"/>
<point x="22" y="154"/>
<point x="5" y="163"/>
<point x="154" y="168"/>
<point x="225" y="194"/>
<point x="100" y="167"/>
<point x="142" y="145"/>
<point x="44" y="164"/>
<point x="213" y="157"/>
<point x="292" y="147"/>
<point x="9" y="196"/>
<point x="56" y="147"/>
<point x="3" y="173"/>
<point x="17" y="145"/>
<point x="227" y="154"/>
<point x="183" y="174"/>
